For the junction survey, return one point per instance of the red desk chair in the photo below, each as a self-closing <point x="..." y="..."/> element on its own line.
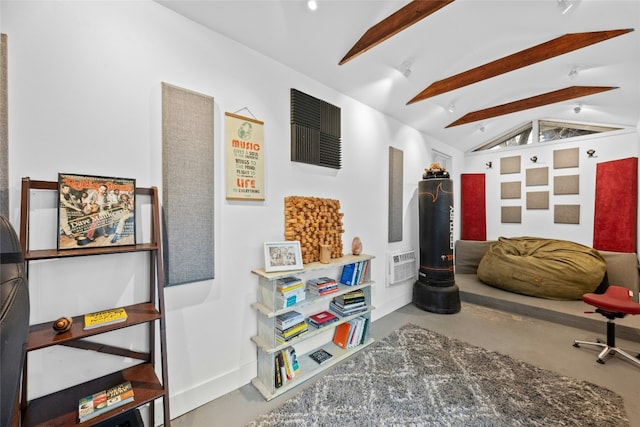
<point x="614" y="303"/>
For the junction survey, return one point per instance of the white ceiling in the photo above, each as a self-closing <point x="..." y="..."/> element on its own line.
<point x="458" y="37"/>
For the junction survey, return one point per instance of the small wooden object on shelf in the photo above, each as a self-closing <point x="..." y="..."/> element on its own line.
<point x="63" y="324"/>
<point x="149" y="378"/>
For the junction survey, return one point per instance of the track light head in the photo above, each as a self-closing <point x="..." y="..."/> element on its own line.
<point x="405" y="67"/>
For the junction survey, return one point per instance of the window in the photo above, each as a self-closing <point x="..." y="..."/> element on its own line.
<point x="553" y="131"/>
<point x="547" y="131"/>
<point x="443" y="159"/>
<point x="519" y="136"/>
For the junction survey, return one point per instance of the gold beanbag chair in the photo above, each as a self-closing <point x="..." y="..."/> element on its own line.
<point x="545" y="268"/>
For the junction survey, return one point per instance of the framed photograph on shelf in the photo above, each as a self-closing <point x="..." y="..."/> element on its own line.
<point x="282" y="256"/>
<point x="95" y="211"/>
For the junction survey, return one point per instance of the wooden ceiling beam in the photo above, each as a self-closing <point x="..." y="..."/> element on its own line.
<point x="532" y="55"/>
<point x="565" y="94"/>
<point x="393" y="24"/>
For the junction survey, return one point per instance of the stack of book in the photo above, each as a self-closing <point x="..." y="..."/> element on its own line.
<point x="322" y="319"/>
<point x="286" y="366"/>
<point x="104" y="401"/>
<point x="350" y="303"/>
<point x="354" y="273"/>
<point x="290" y="291"/>
<point x="352" y="333"/>
<point x="322" y="286"/>
<point x="290" y="325"/>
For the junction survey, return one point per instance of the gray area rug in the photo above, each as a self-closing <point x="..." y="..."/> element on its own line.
<point x="416" y="377"/>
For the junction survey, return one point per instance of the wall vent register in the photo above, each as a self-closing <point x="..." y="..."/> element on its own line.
<point x="401" y="267"/>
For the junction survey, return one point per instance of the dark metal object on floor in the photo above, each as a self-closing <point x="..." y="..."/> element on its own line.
<point x="435" y="290"/>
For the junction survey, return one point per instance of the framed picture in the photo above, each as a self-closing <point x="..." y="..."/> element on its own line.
<point x="282" y="256"/>
<point x="95" y="211"/>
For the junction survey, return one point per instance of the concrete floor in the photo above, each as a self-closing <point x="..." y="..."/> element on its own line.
<point x="541" y="343"/>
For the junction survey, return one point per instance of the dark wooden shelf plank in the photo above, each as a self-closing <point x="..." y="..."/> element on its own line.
<point x="60" y="409"/>
<point x="42" y="335"/>
<point x="53" y="253"/>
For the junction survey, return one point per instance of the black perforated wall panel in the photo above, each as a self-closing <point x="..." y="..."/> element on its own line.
<point x="315" y="131"/>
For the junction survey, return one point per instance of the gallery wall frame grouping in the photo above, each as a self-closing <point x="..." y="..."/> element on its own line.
<point x="536" y="178"/>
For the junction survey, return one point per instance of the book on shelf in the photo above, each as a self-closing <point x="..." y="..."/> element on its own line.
<point x="292" y="330"/>
<point x="277" y="372"/>
<point x="291" y="299"/>
<point x="322" y="286"/>
<point x="97" y="404"/>
<point x="349" y="305"/>
<point x="288" y="319"/>
<point x="357" y="333"/>
<point x="352" y="333"/>
<point x="297" y="291"/>
<point x="347" y="311"/>
<point x="321" y="281"/>
<point x="350" y="297"/>
<point x="286" y="335"/>
<point x="286" y="366"/>
<point x="354" y="273"/>
<point x="361" y="267"/>
<point x="282" y="340"/>
<point x="293" y="357"/>
<point x="324" y="291"/>
<point x="341" y="334"/>
<point x="321" y="356"/>
<point x="285" y="284"/>
<point x="104" y="318"/>
<point x="322" y="319"/>
<point x="348" y="273"/>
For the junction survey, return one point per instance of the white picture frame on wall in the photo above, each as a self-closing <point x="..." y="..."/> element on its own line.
<point x="282" y="256"/>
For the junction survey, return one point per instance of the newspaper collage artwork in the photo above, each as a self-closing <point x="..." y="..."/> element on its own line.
<point x="95" y="211"/>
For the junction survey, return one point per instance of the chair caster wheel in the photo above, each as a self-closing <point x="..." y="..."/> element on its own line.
<point x="575" y="344"/>
<point x="600" y="361"/>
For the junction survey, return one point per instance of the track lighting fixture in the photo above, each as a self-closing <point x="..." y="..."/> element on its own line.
<point x="405" y="67"/>
<point x="489" y="165"/>
<point x="565" y="5"/>
<point x="534" y="159"/>
<point x="591" y="152"/>
<point x="573" y="72"/>
<point x="577" y="108"/>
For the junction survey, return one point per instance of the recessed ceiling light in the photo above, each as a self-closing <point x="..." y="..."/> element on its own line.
<point x="312" y="4"/>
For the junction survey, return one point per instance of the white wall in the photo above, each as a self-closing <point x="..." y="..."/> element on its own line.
<point x="609" y="146"/>
<point x="84" y="97"/>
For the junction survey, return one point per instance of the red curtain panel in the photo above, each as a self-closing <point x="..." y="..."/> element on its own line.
<point x="474" y="211"/>
<point x="616" y="202"/>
